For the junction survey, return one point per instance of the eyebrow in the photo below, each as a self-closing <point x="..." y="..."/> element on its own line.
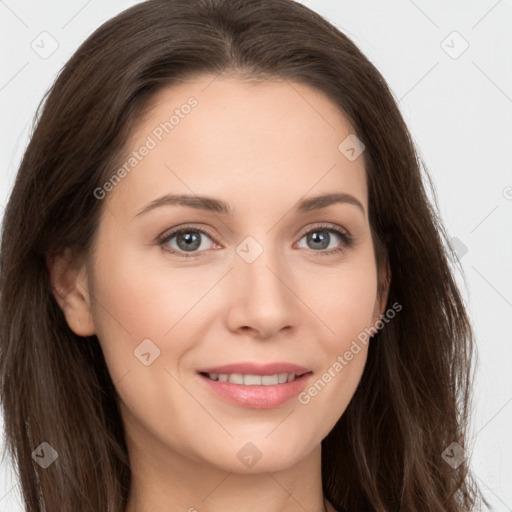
<point x="217" y="206"/>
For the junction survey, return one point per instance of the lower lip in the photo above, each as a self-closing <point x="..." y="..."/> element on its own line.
<point x="257" y="397"/>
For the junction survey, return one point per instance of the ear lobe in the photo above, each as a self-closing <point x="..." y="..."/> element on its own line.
<point x="68" y="277"/>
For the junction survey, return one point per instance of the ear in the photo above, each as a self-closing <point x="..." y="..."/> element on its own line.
<point x="68" y="277"/>
<point x="382" y="296"/>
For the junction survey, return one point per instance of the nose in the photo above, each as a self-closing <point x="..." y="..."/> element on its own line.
<point x="262" y="300"/>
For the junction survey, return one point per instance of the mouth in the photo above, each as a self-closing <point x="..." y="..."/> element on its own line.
<point x="256" y="386"/>
<point x="253" y="380"/>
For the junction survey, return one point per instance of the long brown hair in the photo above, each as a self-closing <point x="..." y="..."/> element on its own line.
<point x="413" y="401"/>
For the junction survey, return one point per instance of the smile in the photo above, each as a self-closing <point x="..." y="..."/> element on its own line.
<point x="265" y="389"/>
<point x="253" y="380"/>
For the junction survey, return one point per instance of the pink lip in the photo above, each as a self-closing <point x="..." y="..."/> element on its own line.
<point x="257" y="397"/>
<point x="256" y="369"/>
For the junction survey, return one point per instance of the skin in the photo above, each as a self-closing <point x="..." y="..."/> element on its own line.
<point x="261" y="148"/>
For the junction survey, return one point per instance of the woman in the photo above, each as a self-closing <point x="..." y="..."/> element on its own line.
<point x="223" y="286"/>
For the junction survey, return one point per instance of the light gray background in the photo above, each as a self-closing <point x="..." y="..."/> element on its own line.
<point x="458" y="107"/>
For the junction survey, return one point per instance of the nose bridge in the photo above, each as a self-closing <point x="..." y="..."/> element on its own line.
<point x="259" y="265"/>
<point x="262" y="299"/>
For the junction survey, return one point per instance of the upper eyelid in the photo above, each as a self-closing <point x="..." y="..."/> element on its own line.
<point x="175" y="231"/>
<point x="328" y="226"/>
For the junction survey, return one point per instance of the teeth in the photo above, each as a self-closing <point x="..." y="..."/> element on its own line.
<point x="268" y="380"/>
<point x="253" y="380"/>
<point x="236" y="378"/>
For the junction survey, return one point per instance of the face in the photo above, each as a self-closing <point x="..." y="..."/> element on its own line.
<point x="257" y="285"/>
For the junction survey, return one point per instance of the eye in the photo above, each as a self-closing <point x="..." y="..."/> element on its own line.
<point x="320" y="237"/>
<point x="188" y="239"/>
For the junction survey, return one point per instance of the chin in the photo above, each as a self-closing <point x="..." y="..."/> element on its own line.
<point x="260" y="455"/>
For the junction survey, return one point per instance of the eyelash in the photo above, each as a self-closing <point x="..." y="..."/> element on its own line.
<point x="347" y="240"/>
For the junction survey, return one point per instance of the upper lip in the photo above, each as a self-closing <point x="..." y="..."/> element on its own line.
<point x="256" y="368"/>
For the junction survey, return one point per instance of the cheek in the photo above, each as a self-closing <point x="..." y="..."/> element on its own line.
<point x="129" y="304"/>
<point x="345" y="302"/>
<point x="131" y="293"/>
<point x="346" y="309"/>
<point x="353" y="311"/>
<point x="138" y="296"/>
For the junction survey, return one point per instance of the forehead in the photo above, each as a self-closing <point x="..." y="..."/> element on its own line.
<point x="244" y="141"/>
